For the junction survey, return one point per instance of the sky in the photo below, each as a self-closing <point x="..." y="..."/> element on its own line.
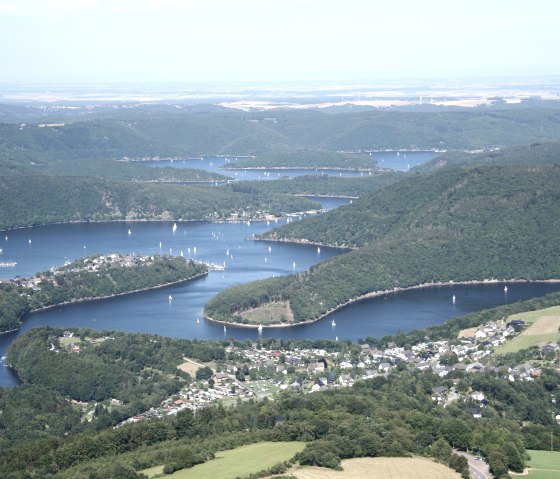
<point x="275" y="40"/>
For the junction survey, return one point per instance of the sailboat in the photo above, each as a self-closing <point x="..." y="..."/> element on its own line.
<point x="269" y="249"/>
<point x="453" y="299"/>
<point x="318" y="250"/>
<point x="160" y="245"/>
<point x="197" y="320"/>
<point x="333" y="323"/>
<point x="174" y="227"/>
<point x="260" y="328"/>
<point x="129" y="232"/>
<point x="225" y="328"/>
<point x="29" y="241"/>
<point x="505" y="289"/>
<point x="170" y="298"/>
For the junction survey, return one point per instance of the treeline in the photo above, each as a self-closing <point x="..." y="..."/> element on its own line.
<point x="451" y="225"/>
<point x="307" y="159"/>
<point x="76" y="282"/>
<point x="34" y="200"/>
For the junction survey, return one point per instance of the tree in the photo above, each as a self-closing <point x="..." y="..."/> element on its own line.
<point x="204" y="373"/>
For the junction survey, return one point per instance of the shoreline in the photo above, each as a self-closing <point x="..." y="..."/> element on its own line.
<point x="310" y="168"/>
<point x="304" y="242"/>
<point x="98" y="298"/>
<point x="161" y="220"/>
<point x="374" y="294"/>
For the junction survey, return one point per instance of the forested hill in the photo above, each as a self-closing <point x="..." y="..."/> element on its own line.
<point x="145" y="134"/>
<point x="451" y="225"/>
<point x="33" y="200"/>
<point x="535" y="153"/>
<point x="446" y="204"/>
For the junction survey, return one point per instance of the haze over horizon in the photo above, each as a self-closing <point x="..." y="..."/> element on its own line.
<point x="270" y="40"/>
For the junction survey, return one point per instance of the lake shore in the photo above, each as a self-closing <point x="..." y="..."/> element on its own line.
<point x="98" y="298"/>
<point x="385" y="292"/>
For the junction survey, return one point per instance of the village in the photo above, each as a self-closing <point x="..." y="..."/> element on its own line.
<point x="250" y="372"/>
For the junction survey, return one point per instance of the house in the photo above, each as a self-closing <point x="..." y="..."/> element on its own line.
<point x="475" y="368"/>
<point x="365" y="349"/>
<point x="384" y="367"/>
<point x="220" y="377"/>
<point x="345" y="380"/>
<point x="316" y="367"/>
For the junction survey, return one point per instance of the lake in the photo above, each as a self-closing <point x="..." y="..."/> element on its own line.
<point x="40" y="248"/>
<point x="396" y="160"/>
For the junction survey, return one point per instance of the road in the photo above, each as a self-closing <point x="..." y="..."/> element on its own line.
<point x="477" y="467"/>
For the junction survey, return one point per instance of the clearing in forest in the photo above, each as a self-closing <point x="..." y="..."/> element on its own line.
<point x="381" y="468"/>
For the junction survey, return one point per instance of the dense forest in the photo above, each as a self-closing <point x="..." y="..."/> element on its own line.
<point x="33" y="200"/>
<point x="90" y="278"/>
<point x="147" y="133"/>
<point x="44" y="437"/>
<point x="535" y="153"/>
<point x="454" y="224"/>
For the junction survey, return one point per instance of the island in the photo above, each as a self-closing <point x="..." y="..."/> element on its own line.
<point x="90" y="278"/>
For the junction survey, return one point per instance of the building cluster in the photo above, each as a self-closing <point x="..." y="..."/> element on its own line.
<point x="253" y="372"/>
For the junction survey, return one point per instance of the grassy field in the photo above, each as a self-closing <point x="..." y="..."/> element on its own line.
<point x="271" y="313"/>
<point x="241" y="461"/>
<point x="381" y="468"/>
<point x="542" y="327"/>
<point x="190" y="366"/>
<point x="544" y="465"/>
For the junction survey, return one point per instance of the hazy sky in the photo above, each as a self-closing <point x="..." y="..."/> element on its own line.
<point x="264" y="40"/>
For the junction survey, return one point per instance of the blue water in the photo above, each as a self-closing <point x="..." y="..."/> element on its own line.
<point x="245" y="261"/>
<point x="402" y="160"/>
<point x="386" y="159"/>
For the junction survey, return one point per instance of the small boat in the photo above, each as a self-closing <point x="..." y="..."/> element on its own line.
<point x="269" y="249"/>
<point x="1" y="250"/>
<point x="194" y="250"/>
<point x="336" y="338"/>
<point x="453" y="299"/>
<point x="6" y="238"/>
<point x="505" y="289"/>
<point x="29" y="241"/>
<point x="294" y="265"/>
<point x="333" y="323"/>
<point x="170" y="298"/>
<point x="160" y="245"/>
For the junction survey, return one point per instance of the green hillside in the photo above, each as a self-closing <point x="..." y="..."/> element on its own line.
<point x="450" y="225"/>
<point x="536" y="153"/>
<point x="159" y="133"/>
<point x="33" y="200"/>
